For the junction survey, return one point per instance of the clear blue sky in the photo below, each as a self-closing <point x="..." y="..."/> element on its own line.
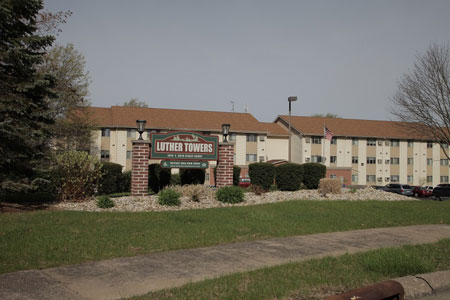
<point x="343" y="57"/>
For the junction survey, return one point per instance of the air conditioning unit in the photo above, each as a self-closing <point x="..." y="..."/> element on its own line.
<point x="380" y="143"/>
<point x="387" y="161"/>
<point x="308" y="159"/>
<point x="379" y="179"/>
<point x="261" y="138"/>
<point x="380" y="161"/>
<point x="387" y="143"/>
<point x="387" y="179"/>
<point x="308" y="141"/>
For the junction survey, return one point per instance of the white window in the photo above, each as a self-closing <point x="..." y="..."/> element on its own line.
<point x="371" y="142"/>
<point x="410" y="161"/>
<point x="371" y="178"/>
<point x="395" y="143"/>
<point x="410" y="143"/>
<point x="444" y="179"/>
<point x="333" y="141"/>
<point x="104" y="154"/>
<point x="395" y="178"/>
<point x="333" y="176"/>
<point x="131" y="133"/>
<point x="444" y="162"/>
<point x="354" y="159"/>
<point x="429" y="178"/>
<point x="316" y="140"/>
<point x="333" y="159"/>
<point x="251" y="137"/>
<point x="429" y="161"/>
<point x="429" y="144"/>
<point x="316" y="158"/>
<point x="106" y="132"/>
<point x="371" y="160"/>
<point x="354" y="141"/>
<point x="410" y="178"/>
<point x="250" y="157"/>
<point x="128" y="154"/>
<point x="354" y="178"/>
<point x="395" y="161"/>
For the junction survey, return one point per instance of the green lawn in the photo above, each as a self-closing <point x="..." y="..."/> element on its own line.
<point x="318" y="278"/>
<point x="53" y="238"/>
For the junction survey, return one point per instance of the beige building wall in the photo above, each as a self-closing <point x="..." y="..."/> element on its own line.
<point x="261" y="148"/>
<point x="383" y="169"/>
<point x="344" y="152"/>
<point x="362" y="157"/>
<point x="436" y="171"/>
<point x="241" y="149"/>
<point x="403" y="154"/>
<point x="277" y="148"/>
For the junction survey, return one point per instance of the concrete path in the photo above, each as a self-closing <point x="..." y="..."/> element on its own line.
<point x="130" y="276"/>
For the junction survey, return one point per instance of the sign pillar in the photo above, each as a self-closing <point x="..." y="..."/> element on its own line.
<point x="224" y="171"/>
<point x="139" y="168"/>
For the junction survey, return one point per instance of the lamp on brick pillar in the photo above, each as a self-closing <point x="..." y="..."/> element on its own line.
<point x="225" y="132"/>
<point x="140" y="127"/>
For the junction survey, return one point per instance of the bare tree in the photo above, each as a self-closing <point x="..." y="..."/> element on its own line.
<point x="327" y="115"/>
<point x="135" y="102"/>
<point x="423" y="96"/>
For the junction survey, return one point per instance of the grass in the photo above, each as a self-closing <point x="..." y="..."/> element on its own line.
<point x="318" y="278"/>
<point x="53" y="238"/>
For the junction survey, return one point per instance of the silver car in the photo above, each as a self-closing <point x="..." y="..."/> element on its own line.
<point x="402" y="189"/>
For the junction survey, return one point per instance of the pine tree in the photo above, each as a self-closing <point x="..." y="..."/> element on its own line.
<point x="23" y="109"/>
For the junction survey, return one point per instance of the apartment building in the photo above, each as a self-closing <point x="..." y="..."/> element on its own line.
<point x="254" y="141"/>
<point x="367" y="152"/>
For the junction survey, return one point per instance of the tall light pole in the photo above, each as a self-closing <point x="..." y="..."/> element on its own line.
<point x="290" y="99"/>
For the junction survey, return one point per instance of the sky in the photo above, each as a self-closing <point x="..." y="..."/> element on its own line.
<point x="343" y="57"/>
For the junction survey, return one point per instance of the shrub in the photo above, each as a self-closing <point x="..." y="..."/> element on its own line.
<point x="175" y="179"/>
<point x="330" y="186"/>
<point x="192" y="176"/>
<point x="312" y="173"/>
<point x="33" y="197"/>
<point x="236" y="175"/>
<point x="104" y="202"/>
<point x="77" y="175"/>
<point x="288" y="177"/>
<point x="158" y="177"/>
<point x="126" y="182"/>
<point x="262" y="174"/>
<point x="195" y="191"/>
<point x="112" y="178"/>
<point x="230" y="194"/>
<point x="169" y="197"/>
<point x="257" y="189"/>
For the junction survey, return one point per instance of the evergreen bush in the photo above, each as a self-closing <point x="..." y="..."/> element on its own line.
<point x="112" y="179"/>
<point x="230" y="194"/>
<point x="192" y="176"/>
<point x="104" y="202"/>
<point x="312" y="173"/>
<point x="169" y="197"/>
<point x="288" y="177"/>
<point x="236" y="175"/>
<point x="126" y="182"/>
<point x="262" y="174"/>
<point x="158" y="177"/>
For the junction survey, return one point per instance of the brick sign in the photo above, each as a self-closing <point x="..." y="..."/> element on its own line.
<point x="183" y="146"/>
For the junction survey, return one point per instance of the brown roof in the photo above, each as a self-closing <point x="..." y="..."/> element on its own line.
<point x="273" y="129"/>
<point x="177" y="119"/>
<point x="352" y="127"/>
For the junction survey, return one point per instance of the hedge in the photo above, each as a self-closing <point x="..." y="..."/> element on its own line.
<point x="312" y="173"/>
<point x="192" y="176"/>
<point x="111" y="181"/>
<point x="158" y="177"/>
<point x="289" y="177"/>
<point x="262" y="174"/>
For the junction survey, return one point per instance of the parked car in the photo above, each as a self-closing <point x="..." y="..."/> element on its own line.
<point x="421" y="191"/>
<point x="441" y="190"/>
<point x="245" y="182"/>
<point x="402" y="189"/>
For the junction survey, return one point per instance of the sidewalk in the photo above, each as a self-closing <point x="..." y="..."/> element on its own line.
<point x="131" y="276"/>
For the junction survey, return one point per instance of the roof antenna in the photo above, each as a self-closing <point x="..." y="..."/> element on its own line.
<point x="245" y="108"/>
<point x="232" y="106"/>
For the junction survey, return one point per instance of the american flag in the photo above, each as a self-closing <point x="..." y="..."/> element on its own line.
<point x="328" y="134"/>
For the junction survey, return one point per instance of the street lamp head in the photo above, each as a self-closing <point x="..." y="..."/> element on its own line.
<point x="140" y="127"/>
<point x="292" y="98"/>
<point x="225" y="131"/>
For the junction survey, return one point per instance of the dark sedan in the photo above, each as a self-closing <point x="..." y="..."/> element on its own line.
<point x="441" y="190"/>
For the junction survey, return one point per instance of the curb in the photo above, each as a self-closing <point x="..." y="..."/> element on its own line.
<point x="423" y="285"/>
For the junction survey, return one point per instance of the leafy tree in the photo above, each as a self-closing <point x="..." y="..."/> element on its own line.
<point x="73" y="126"/>
<point x="423" y="96"/>
<point x="135" y="102"/>
<point x="327" y="115"/>
<point x="24" y="114"/>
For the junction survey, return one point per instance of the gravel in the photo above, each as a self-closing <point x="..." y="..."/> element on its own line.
<point x="150" y="203"/>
